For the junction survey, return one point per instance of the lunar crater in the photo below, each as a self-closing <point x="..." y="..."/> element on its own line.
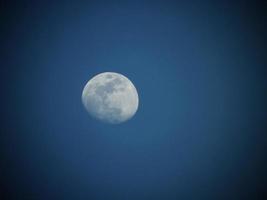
<point x="110" y="97"/>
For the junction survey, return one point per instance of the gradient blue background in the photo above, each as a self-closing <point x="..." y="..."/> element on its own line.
<point x="200" y="71"/>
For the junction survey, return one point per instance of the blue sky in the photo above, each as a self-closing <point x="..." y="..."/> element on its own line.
<point x="199" y="71"/>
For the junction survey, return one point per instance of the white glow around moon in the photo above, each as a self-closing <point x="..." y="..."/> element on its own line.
<point x="110" y="97"/>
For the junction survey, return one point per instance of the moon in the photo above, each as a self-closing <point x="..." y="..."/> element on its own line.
<point x="110" y="97"/>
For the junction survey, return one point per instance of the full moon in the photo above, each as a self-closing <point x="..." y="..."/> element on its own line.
<point x="110" y="97"/>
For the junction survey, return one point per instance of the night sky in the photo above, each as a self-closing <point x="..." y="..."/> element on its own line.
<point x="200" y="69"/>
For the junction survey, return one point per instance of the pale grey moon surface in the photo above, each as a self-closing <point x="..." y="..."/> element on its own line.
<point x="110" y="97"/>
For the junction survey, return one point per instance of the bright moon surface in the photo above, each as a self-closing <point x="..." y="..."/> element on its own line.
<point x="110" y="97"/>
